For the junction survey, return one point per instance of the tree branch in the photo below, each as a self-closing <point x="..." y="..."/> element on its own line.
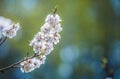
<point x="14" y="65"/>
<point x="2" y="40"/>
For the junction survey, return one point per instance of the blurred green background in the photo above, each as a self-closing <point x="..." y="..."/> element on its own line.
<point x="90" y="41"/>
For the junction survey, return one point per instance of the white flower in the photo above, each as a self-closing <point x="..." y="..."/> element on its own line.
<point x="53" y="19"/>
<point x="32" y="43"/>
<point x="47" y="48"/>
<point x="16" y="26"/>
<point x="31" y="64"/>
<point x="56" y="38"/>
<point x="37" y="48"/>
<point x="7" y="28"/>
<point x="45" y="28"/>
<point x="8" y="32"/>
<point x="42" y="59"/>
<point x="36" y="62"/>
<point x="44" y="47"/>
<point x="49" y="37"/>
<point x="27" y="66"/>
<point x="56" y="28"/>
<point x="39" y="37"/>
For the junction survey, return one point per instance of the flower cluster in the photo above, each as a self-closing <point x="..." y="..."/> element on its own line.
<point x="31" y="64"/>
<point x="43" y="42"/>
<point x="7" y="28"/>
<point x="49" y="35"/>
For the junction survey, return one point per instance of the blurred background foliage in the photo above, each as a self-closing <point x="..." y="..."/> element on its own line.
<point x="90" y="44"/>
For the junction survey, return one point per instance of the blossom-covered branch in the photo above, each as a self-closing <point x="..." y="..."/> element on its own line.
<point x="42" y="44"/>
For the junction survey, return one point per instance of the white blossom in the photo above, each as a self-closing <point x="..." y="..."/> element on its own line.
<point x="42" y="59"/>
<point x="49" y="37"/>
<point x="31" y="64"/>
<point x="39" y="37"/>
<point x="37" y="48"/>
<point x="27" y="66"/>
<point x="7" y="28"/>
<point x="16" y="26"/>
<point x="45" y="28"/>
<point x="56" y="28"/>
<point x="47" y="48"/>
<point x="10" y="33"/>
<point x="56" y="38"/>
<point x="37" y="62"/>
<point x="53" y="19"/>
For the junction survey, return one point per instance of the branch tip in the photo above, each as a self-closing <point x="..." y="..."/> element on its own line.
<point x="55" y="10"/>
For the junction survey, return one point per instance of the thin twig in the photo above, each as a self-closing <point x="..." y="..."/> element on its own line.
<point x="3" y="40"/>
<point x="27" y="54"/>
<point x="0" y="39"/>
<point x="55" y="10"/>
<point x="14" y="65"/>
